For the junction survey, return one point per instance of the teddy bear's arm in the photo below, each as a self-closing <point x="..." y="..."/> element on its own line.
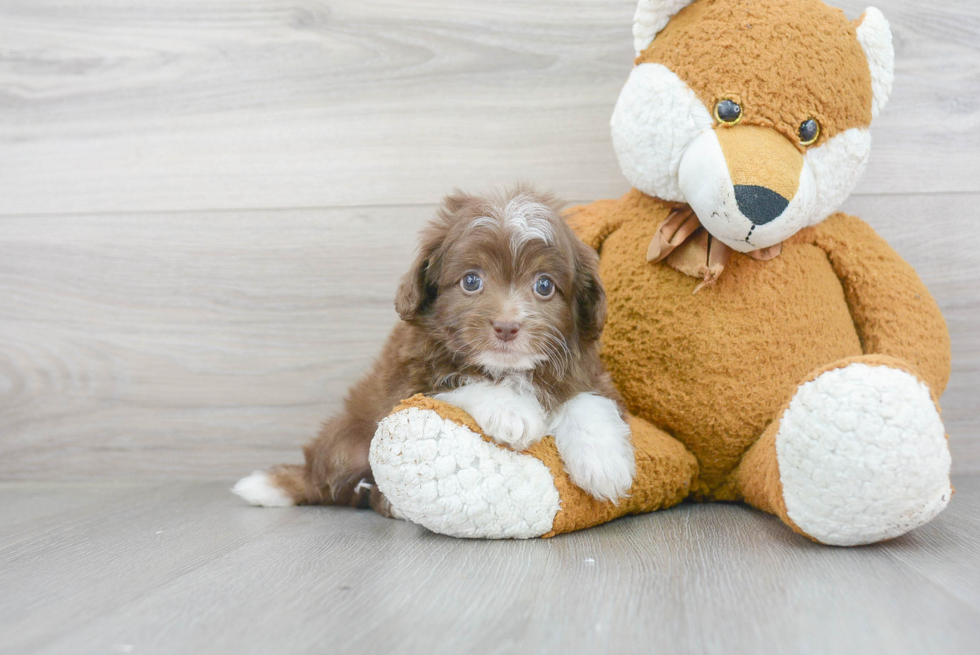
<point x="892" y="310"/>
<point x="594" y="222"/>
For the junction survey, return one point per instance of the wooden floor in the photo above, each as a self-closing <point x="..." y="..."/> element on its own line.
<point x="187" y="568"/>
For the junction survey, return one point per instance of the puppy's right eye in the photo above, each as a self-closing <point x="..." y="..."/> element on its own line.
<point x="471" y="283"/>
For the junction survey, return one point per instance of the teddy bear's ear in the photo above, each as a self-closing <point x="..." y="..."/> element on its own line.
<point x="875" y="38"/>
<point x="652" y="16"/>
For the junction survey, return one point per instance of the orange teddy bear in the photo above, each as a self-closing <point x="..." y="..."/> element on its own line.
<point x="770" y="350"/>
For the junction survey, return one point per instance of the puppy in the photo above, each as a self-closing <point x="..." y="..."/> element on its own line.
<point x="501" y="316"/>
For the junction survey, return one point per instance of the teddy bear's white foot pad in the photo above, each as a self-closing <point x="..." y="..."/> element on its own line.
<point x="862" y="455"/>
<point x="448" y="479"/>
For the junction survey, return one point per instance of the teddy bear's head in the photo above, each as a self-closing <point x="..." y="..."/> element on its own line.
<point x="754" y="112"/>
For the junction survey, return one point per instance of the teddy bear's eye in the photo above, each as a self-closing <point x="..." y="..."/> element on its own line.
<point x="728" y="112"/>
<point x="809" y="132"/>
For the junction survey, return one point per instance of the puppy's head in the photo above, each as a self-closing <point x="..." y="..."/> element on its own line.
<point x="503" y="282"/>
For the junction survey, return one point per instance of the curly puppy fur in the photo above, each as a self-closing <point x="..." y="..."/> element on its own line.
<point x="481" y="330"/>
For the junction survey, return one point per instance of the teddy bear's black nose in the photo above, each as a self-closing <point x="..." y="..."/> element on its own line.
<point x="759" y="204"/>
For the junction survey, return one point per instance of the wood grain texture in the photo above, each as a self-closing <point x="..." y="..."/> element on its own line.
<point x="176" y="344"/>
<point x="186" y="568"/>
<point x="109" y="105"/>
<point x="208" y="344"/>
<point x="161" y="315"/>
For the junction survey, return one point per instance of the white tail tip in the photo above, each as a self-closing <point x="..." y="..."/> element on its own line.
<point x="258" y="489"/>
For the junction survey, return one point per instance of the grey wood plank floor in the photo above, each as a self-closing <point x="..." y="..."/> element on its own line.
<point x="184" y="567"/>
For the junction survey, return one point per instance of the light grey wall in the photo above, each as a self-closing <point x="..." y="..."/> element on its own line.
<point x="205" y="205"/>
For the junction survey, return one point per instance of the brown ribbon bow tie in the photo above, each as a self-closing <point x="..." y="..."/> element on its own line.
<point x="683" y="244"/>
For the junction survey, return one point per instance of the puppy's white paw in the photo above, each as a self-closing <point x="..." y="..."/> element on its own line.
<point x="595" y="446"/>
<point x="258" y="489"/>
<point x="514" y="419"/>
<point x="516" y="427"/>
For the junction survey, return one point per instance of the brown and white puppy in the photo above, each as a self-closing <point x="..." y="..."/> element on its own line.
<point x="501" y="315"/>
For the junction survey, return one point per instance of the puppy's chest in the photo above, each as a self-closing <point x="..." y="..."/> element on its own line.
<point x="522" y="386"/>
<point x="443" y="381"/>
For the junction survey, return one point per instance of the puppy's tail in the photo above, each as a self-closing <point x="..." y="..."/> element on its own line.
<point x="290" y="484"/>
<point x="281" y="486"/>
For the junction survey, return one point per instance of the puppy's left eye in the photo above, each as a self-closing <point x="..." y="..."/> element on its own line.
<point x="544" y="286"/>
<point x="471" y="282"/>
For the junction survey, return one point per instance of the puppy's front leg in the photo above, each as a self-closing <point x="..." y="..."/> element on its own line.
<point x="513" y="419"/>
<point x="595" y="446"/>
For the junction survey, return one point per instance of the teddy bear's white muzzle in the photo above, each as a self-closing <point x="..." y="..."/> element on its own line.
<point x="746" y="214"/>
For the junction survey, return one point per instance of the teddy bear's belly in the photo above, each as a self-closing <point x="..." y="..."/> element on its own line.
<point x="714" y="368"/>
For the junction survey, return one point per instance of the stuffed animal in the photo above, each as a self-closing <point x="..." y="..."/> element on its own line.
<point x="770" y="350"/>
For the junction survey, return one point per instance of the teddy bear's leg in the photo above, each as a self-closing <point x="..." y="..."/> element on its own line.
<point x="857" y="456"/>
<point x="436" y="468"/>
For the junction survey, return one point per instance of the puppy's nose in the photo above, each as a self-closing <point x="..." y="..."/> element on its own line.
<point x="506" y="330"/>
<point x="759" y="204"/>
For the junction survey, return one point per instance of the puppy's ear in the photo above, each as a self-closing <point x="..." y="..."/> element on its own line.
<point x="415" y="291"/>
<point x="453" y="203"/>
<point x="419" y="286"/>
<point x="590" y="296"/>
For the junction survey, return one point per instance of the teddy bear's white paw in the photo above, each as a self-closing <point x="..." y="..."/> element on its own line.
<point x="509" y="417"/>
<point x="595" y="446"/>
<point x="450" y="480"/>
<point x="862" y="456"/>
